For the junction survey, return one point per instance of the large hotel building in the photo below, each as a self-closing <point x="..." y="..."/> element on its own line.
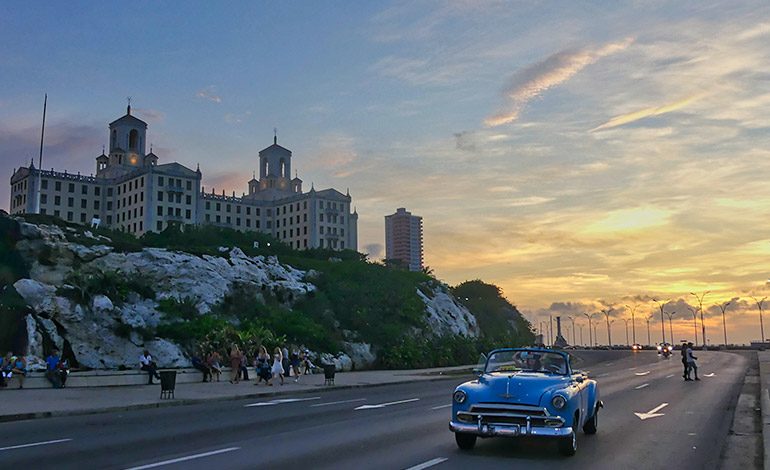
<point x="133" y="193"/>
<point x="403" y="238"/>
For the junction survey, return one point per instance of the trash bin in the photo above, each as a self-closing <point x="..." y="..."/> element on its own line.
<point x="167" y="383"/>
<point x="329" y="371"/>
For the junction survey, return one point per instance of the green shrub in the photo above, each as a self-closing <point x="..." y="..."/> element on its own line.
<point x="184" y="309"/>
<point x="82" y="286"/>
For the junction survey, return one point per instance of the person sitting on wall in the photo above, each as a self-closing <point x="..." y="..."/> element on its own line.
<point x="63" y="370"/>
<point x="19" y="367"/>
<point x="52" y="369"/>
<point x="146" y="363"/>
<point x="198" y="363"/>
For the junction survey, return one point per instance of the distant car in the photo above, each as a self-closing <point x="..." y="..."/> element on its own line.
<point x="665" y="349"/>
<point x="526" y="392"/>
<point x="636" y="347"/>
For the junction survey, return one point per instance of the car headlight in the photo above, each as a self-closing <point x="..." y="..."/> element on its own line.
<point x="559" y="402"/>
<point x="459" y="397"/>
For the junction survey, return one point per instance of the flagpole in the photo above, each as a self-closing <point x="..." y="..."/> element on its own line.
<point x="40" y="161"/>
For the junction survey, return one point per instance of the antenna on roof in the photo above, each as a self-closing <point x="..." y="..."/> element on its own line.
<point x="40" y="162"/>
<point x="275" y="135"/>
<point x="128" y="108"/>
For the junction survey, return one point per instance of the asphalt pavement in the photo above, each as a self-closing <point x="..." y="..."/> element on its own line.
<point x="652" y="420"/>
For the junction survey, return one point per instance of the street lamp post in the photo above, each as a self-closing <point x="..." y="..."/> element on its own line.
<point x="761" y="326"/>
<point x="596" y="336"/>
<point x="608" y="338"/>
<point x="581" y="334"/>
<point x="670" y="325"/>
<point x="607" y="317"/>
<point x="649" y="343"/>
<point x="633" y="322"/>
<point x="694" y="312"/>
<point x="573" y="329"/>
<point x="625" y="320"/>
<point x="702" y="323"/>
<point x="662" y="320"/>
<point x="723" y="307"/>
<point x="568" y="328"/>
<point x="590" y="338"/>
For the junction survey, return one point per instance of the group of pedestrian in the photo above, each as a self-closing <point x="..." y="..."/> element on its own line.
<point x="688" y="361"/>
<point x="56" y="370"/>
<point x="13" y="366"/>
<point x="281" y="364"/>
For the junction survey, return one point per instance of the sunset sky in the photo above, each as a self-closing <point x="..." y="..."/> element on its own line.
<point x="581" y="155"/>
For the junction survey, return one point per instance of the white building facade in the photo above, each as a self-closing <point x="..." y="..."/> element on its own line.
<point x="131" y="192"/>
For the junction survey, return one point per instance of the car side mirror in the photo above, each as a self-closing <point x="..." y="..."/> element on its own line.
<point x="478" y="372"/>
<point x="580" y="379"/>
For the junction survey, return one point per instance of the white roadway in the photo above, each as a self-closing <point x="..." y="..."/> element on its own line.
<point x="652" y="419"/>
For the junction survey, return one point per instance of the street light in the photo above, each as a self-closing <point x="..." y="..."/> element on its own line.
<point x="761" y="326"/>
<point x="590" y="338"/>
<point x="625" y="320"/>
<point x="607" y="317"/>
<point x="670" y="325"/>
<point x="702" y="323"/>
<point x="694" y="322"/>
<point x="649" y="343"/>
<point x="580" y="325"/>
<point x="608" y="338"/>
<point x="573" y="329"/>
<point x="568" y="328"/>
<point x="662" y="320"/>
<point x="723" y="307"/>
<point x="633" y="322"/>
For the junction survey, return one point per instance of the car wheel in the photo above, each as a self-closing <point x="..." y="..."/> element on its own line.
<point x="593" y="423"/>
<point x="568" y="444"/>
<point x="465" y="441"/>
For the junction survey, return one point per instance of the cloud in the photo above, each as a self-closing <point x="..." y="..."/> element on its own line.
<point x="530" y="82"/>
<point x="209" y="93"/>
<point x="237" y="118"/>
<point x="465" y="141"/>
<point x="149" y="114"/>
<point x="375" y="250"/>
<point x="647" y="112"/>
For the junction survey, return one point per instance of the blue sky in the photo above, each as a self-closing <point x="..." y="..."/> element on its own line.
<point x="578" y="154"/>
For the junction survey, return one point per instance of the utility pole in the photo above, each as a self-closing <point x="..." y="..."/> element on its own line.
<point x="662" y="320"/>
<point x="633" y="322"/>
<point x="703" y="323"/>
<point x="723" y="307"/>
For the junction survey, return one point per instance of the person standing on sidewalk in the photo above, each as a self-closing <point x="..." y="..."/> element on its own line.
<point x="146" y="364"/>
<point x="285" y="361"/>
<point x="235" y="364"/>
<point x="691" y="366"/>
<point x="295" y="362"/>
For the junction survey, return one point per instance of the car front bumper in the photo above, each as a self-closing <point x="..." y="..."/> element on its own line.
<point x="508" y="430"/>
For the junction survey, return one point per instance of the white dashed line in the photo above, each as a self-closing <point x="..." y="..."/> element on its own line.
<point x="33" y="444"/>
<point x="604" y="374"/>
<point x="642" y="373"/>
<point x="383" y="405"/>
<point x="184" y="459"/>
<point x="278" y="402"/>
<point x="669" y="376"/>
<point x="337" y="402"/>
<point x="441" y="406"/>
<point x="642" y="386"/>
<point x="428" y="464"/>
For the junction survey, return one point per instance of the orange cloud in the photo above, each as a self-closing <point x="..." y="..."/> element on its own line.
<point x="647" y="112"/>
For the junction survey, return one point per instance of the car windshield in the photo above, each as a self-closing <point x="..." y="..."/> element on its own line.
<point x="527" y="361"/>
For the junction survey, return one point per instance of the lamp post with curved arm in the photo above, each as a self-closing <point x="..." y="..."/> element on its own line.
<point x="761" y="326"/>
<point x="607" y="317"/>
<point x="662" y="320"/>
<point x="626" y="320"/>
<point x="694" y="312"/>
<point x="723" y="307"/>
<point x="580" y="325"/>
<point x="702" y="323"/>
<point x="647" y="319"/>
<point x="670" y="316"/>
<point x="608" y="338"/>
<point x="590" y="338"/>
<point x="633" y="322"/>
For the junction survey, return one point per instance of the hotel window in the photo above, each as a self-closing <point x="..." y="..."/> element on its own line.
<point x="189" y="186"/>
<point x="159" y="226"/>
<point x="304" y="230"/>
<point x="297" y="218"/>
<point x="342" y="247"/>
<point x="136" y="198"/>
<point x="228" y="220"/>
<point x="248" y="222"/>
<point x="227" y="207"/>
<point x="130" y="186"/>
<point x="141" y="197"/>
<point x="141" y="211"/>
<point x="97" y="191"/>
<point x="43" y="198"/>
<point x="237" y="209"/>
<point x="304" y="217"/>
<point x="109" y="205"/>
<point x="208" y="217"/>
<point x="57" y="186"/>
<point x="291" y="209"/>
<point x="170" y="210"/>
<point x="305" y="243"/>
<point x="160" y="181"/>
<point x="70" y="202"/>
<point x="219" y="219"/>
<point x="109" y="220"/>
<point x="134" y="213"/>
<point x="56" y="213"/>
<point x="57" y="200"/>
<point x="248" y="211"/>
<point x="71" y="187"/>
<point x="321" y="217"/>
<point x="178" y="198"/>
<point x="321" y="229"/>
<point x="291" y="232"/>
<point x="142" y="180"/>
<point x="208" y="205"/>
<point x="82" y="218"/>
<point x="109" y="192"/>
<point x="238" y="221"/>
<point x="269" y="224"/>
<point x="187" y="214"/>
<point x="69" y="216"/>
<point x="257" y="211"/>
<point x="321" y="243"/>
<point x="160" y="196"/>
<point x="140" y="226"/>
<point x="219" y="206"/>
<point x="96" y="205"/>
<point x="178" y="212"/>
<point x="284" y="234"/>
<point x="256" y="224"/>
<point x="44" y="184"/>
<point x="160" y="210"/>
<point x="304" y="204"/>
<point x="188" y="200"/>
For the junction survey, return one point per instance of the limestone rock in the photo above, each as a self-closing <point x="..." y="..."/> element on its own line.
<point x="361" y="354"/>
<point x="446" y="316"/>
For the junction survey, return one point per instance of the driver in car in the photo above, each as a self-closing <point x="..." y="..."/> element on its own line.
<point x="533" y="362"/>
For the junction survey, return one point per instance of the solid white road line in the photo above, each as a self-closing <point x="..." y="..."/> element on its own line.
<point x="382" y="405"/>
<point x="441" y="406"/>
<point x="184" y="459"/>
<point x="642" y="373"/>
<point x="669" y="376"/>
<point x="337" y="402"/>
<point x="642" y="386"/>
<point x="33" y="444"/>
<point x="429" y="463"/>
<point x="632" y="368"/>
<point x="604" y="374"/>
<point x="279" y="401"/>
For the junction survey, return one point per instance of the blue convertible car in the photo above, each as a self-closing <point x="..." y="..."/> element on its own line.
<point x="526" y="392"/>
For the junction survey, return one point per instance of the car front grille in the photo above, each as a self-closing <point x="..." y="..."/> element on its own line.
<point x="505" y="413"/>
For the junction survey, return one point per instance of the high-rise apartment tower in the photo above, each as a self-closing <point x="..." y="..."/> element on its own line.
<point x="403" y="238"/>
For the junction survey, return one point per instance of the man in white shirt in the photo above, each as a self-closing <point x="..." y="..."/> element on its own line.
<point x="691" y="366"/>
<point x="145" y="363"/>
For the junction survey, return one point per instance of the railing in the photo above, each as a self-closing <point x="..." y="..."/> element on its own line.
<point x="177" y="189"/>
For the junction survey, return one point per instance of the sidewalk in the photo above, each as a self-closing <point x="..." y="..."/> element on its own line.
<point x="43" y="403"/>
<point x="764" y="398"/>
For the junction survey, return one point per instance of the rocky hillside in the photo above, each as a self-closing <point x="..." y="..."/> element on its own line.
<point x="101" y="298"/>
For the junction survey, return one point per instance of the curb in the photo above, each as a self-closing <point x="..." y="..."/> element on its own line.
<point x="764" y="397"/>
<point x="195" y="401"/>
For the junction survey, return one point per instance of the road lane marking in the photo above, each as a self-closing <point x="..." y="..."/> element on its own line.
<point x="280" y="401"/>
<point x="642" y="373"/>
<point x="441" y="406"/>
<point x="383" y="405"/>
<point x="642" y="386"/>
<point x="184" y="459"/>
<point x="609" y="364"/>
<point x="669" y="376"/>
<point x="710" y="375"/>
<point x="337" y="402"/>
<point x="653" y="413"/>
<point x="603" y="375"/>
<point x="632" y="368"/>
<point x="429" y="463"/>
<point x="34" y="444"/>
